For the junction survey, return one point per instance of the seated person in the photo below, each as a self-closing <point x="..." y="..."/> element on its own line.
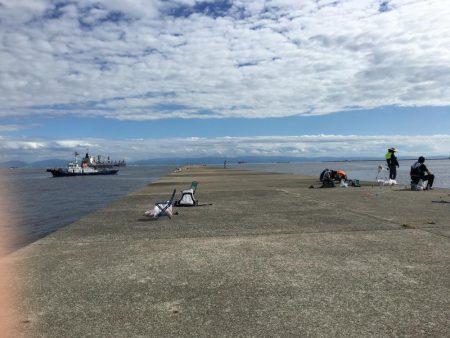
<point x="333" y="175"/>
<point x="322" y="174"/>
<point x="328" y="174"/>
<point x="341" y="175"/>
<point x="419" y="171"/>
<point x="327" y="181"/>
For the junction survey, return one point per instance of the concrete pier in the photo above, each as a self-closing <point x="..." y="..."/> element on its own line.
<point x="262" y="256"/>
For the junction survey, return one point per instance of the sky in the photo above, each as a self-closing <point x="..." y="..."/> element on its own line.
<point x="142" y="79"/>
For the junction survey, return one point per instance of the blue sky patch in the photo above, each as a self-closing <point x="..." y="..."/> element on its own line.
<point x="384" y="7"/>
<point x="213" y="9"/>
<point x="56" y="11"/>
<point x="380" y="121"/>
<point x="246" y="64"/>
<point x="87" y="23"/>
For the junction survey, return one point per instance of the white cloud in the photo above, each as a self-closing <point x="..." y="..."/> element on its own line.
<point x="295" y="146"/>
<point x="16" y="127"/>
<point x="272" y="58"/>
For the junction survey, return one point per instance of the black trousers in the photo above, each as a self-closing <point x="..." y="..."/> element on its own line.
<point x="392" y="172"/>
<point x="429" y="178"/>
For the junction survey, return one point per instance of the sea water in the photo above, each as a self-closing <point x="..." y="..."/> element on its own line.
<point x="362" y="170"/>
<point x="38" y="204"/>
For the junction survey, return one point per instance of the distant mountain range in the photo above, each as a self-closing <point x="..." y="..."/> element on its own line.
<point x="13" y="164"/>
<point x="56" y="163"/>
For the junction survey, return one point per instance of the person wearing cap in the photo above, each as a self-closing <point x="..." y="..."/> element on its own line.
<point x="392" y="163"/>
<point x="418" y="171"/>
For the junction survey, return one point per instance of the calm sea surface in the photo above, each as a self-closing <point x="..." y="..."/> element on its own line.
<point x="362" y="170"/>
<point x="39" y="204"/>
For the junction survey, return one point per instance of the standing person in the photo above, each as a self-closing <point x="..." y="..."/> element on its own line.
<point x="418" y="171"/>
<point x="392" y="163"/>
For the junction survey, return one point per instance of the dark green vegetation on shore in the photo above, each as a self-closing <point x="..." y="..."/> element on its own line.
<point x="263" y="256"/>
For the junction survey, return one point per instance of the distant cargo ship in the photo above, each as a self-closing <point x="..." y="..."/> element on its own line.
<point x="100" y="162"/>
<point x="88" y="167"/>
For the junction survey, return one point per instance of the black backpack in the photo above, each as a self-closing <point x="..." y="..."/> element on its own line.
<point x="415" y="169"/>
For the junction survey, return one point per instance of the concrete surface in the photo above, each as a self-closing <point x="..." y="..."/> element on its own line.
<point x="262" y="256"/>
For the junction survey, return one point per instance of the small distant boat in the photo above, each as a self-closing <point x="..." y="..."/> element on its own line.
<point x="87" y="168"/>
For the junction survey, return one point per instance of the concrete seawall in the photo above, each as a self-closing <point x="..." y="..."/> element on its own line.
<point x="262" y="256"/>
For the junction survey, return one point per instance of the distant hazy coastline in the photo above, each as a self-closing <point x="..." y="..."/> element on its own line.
<point x="51" y="163"/>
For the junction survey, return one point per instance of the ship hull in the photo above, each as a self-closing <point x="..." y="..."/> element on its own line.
<point x="64" y="173"/>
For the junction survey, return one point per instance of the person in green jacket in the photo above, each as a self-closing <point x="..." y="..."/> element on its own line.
<point x="392" y="163"/>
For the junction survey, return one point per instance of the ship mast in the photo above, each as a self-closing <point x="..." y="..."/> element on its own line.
<point x="75" y="154"/>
